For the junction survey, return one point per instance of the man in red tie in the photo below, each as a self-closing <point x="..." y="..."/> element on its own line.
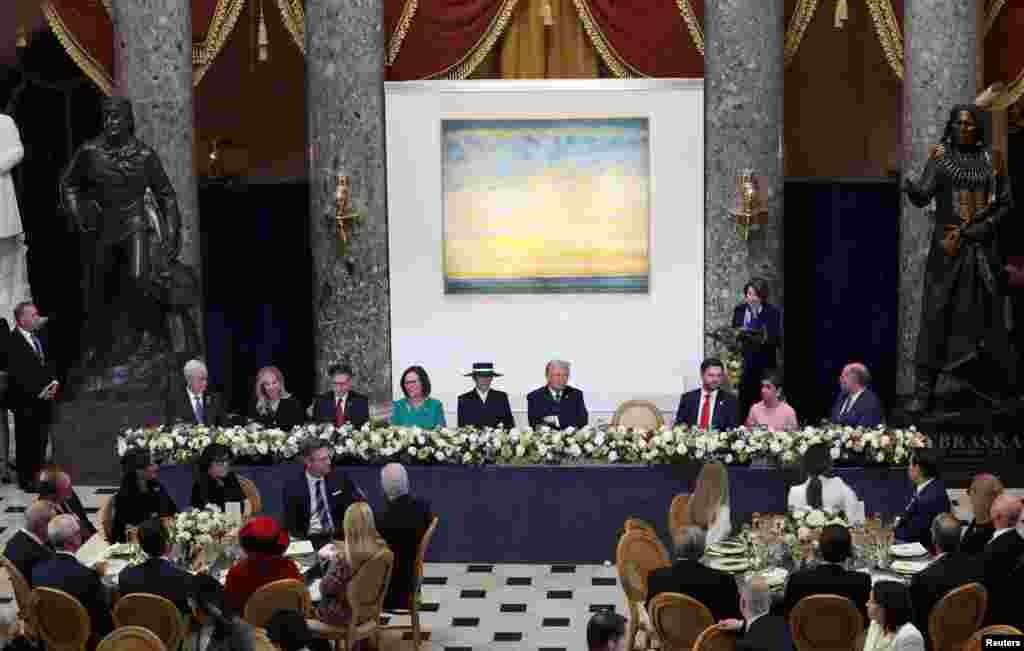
<point x="341" y="405"/>
<point x="710" y="406"/>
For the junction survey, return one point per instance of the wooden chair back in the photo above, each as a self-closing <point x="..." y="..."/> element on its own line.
<point x="679" y="512"/>
<point x="368" y="587"/>
<point x="421" y="556"/>
<point x="716" y="638"/>
<point x="62" y="620"/>
<point x="974" y="644"/>
<point x="153" y="612"/>
<point x="253" y="501"/>
<point x="634" y="524"/>
<point x="22" y="596"/>
<point x="639" y="414"/>
<point x="637" y="555"/>
<point x="825" y="622"/>
<point x="957" y="616"/>
<point x="132" y="638"/>
<point x="679" y="620"/>
<point x="284" y="594"/>
<point x="106" y="518"/>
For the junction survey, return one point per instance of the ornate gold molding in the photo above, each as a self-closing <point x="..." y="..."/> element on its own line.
<point x="611" y="58"/>
<point x="89" y="65"/>
<point x="476" y="55"/>
<point x="692" y="24"/>
<point x="401" y="29"/>
<point x="798" y="22"/>
<point x="224" y="18"/>
<point x="294" y="17"/>
<point x="889" y="33"/>
<point x="994" y="7"/>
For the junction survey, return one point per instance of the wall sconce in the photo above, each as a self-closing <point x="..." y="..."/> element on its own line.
<point x="345" y="218"/>
<point x="21" y="38"/>
<point x="751" y="207"/>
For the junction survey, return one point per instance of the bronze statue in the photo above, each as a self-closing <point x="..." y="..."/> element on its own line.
<point x="963" y="312"/>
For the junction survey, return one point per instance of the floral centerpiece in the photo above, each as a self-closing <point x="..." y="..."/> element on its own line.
<point x="200" y="530"/>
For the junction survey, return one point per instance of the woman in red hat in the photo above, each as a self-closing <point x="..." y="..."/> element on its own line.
<point x="264" y="542"/>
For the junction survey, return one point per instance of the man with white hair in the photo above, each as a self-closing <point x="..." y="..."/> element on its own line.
<point x="27" y="546"/>
<point x="556" y="405"/>
<point x="761" y="631"/>
<point x="402" y="524"/>
<point x="195" y="405"/>
<point x="55" y="487"/>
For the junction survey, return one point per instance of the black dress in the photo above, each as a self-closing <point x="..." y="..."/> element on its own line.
<point x="757" y="357"/>
<point x="976" y="536"/>
<point x="210" y="491"/>
<point x="132" y="507"/>
<point x="289" y="414"/>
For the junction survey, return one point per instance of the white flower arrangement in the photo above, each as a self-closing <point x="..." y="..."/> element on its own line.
<point x="197" y="528"/>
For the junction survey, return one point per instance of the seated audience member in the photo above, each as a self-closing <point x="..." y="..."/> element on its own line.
<point x="315" y="502"/>
<point x="417" y="408"/>
<point x="55" y="486"/>
<point x="272" y="405"/>
<point x="830" y="577"/>
<point x="890" y="612"/>
<point x="28" y="546"/>
<point x="950" y="569"/>
<point x="64" y="572"/>
<point x="982" y="492"/>
<point x="710" y="406"/>
<point x="289" y="631"/>
<point x="930" y="498"/>
<point x="141" y="495"/>
<point x="772" y="412"/>
<point x="193" y="404"/>
<point x="713" y="588"/>
<point x="819" y="491"/>
<point x="606" y="631"/>
<point x="759" y="629"/>
<point x="341" y="405"/>
<point x="215" y="483"/>
<point x="999" y="559"/>
<point x="157" y="575"/>
<point x="556" y="404"/>
<point x="361" y="543"/>
<point x="857" y="405"/>
<point x="402" y="524"/>
<point x="709" y="503"/>
<point x="264" y="542"/>
<point x="483" y="406"/>
<point x="230" y="632"/>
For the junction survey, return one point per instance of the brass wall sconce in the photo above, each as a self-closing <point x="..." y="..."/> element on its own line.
<point x="751" y="210"/>
<point x="345" y="218"/>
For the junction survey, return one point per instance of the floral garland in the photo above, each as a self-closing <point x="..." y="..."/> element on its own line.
<point x="604" y="444"/>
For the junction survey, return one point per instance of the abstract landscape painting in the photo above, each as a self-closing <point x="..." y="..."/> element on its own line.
<point x="546" y="206"/>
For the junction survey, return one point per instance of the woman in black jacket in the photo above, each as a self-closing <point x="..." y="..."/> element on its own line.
<point x="272" y="405"/>
<point x="215" y="483"/>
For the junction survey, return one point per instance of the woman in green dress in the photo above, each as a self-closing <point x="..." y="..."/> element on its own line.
<point x="417" y="408"/>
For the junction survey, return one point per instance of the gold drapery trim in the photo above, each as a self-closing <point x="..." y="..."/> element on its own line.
<point x="401" y="29"/>
<point x="611" y="58"/>
<point x="889" y="33"/>
<point x="798" y="22"/>
<point x="224" y="18"/>
<point x="476" y="55"/>
<point x="692" y="24"/>
<point x="108" y="7"/>
<point x="1014" y="91"/>
<point x="994" y="7"/>
<point x="294" y="17"/>
<point x="92" y="68"/>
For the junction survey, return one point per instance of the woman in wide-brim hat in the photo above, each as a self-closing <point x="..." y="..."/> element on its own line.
<point x="483" y="406"/>
<point x="264" y="542"/>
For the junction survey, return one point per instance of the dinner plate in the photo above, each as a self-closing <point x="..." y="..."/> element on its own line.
<point x="909" y="550"/>
<point x="908" y="567"/>
<point x="120" y="549"/>
<point x="727" y="548"/>
<point x="728" y="564"/>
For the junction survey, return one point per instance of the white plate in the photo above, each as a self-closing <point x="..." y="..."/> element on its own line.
<point x="909" y="550"/>
<point x="908" y="567"/>
<point x="728" y="564"/>
<point x="727" y="549"/>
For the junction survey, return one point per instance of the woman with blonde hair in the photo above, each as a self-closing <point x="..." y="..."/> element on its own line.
<point x="709" y="503"/>
<point x="362" y="542"/>
<point x="272" y="405"/>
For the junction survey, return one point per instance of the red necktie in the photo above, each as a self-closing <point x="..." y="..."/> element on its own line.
<point x="339" y="414"/>
<point x="705" y="413"/>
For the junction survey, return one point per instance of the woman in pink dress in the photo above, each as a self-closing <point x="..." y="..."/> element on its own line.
<point x="772" y="412"/>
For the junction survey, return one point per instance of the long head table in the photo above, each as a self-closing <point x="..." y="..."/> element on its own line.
<point x="558" y="514"/>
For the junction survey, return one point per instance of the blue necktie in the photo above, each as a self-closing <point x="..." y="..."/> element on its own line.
<point x="38" y="346"/>
<point x="200" y="411"/>
<point x="326" y="524"/>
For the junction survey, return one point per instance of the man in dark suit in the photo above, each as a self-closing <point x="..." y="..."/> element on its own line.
<point x="341" y="405"/>
<point x="64" y="572"/>
<point x="55" y="487"/>
<point x="402" y="524"/>
<point x="32" y="392"/>
<point x="556" y="405"/>
<point x="28" y="546"/>
<point x="484" y="406"/>
<point x="857" y="405"/>
<point x="157" y="575"/>
<point x="999" y="560"/>
<point x="759" y="629"/>
<point x="713" y="588"/>
<point x="711" y="406"/>
<point x="830" y="577"/>
<point x="930" y="498"/>
<point x="315" y="503"/>
<point x="194" y="405"/>
<point x="950" y="570"/>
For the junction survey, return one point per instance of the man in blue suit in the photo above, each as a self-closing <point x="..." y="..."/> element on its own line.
<point x="857" y="405"/>
<point x="484" y="406"/>
<point x="930" y="499"/>
<point x="710" y="406"/>
<point x="556" y="405"/>
<point x="157" y="575"/>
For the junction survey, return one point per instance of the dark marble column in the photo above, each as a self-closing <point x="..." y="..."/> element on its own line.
<point x="941" y="70"/>
<point x="345" y="98"/>
<point x="743" y="93"/>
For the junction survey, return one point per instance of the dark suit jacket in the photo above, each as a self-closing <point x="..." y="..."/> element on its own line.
<point x="160" y="577"/>
<point x="179" y="409"/>
<point x="357" y="408"/>
<point x="998" y="561"/>
<point x="496" y="412"/>
<point x="25" y="553"/>
<point x="763" y="357"/>
<point x="767" y="633"/>
<point x="28" y="376"/>
<point x="571" y="410"/>
<point x="976" y="536"/>
<point x="341" y="493"/>
<point x="866" y="412"/>
<point x="402" y="525"/>
<point x="726" y="414"/>
<point x="915" y="525"/>
<point x="209" y="491"/>
<point x="289" y="414"/>
<point x="828" y="578"/>
<point x="931" y="584"/>
<point x="713" y="588"/>
<point x="74" y="506"/>
<point x="64" y="572"/>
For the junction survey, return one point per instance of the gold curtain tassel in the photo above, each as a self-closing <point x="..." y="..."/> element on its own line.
<point x="262" y="40"/>
<point x="842" y="13"/>
<point x="21" y="40"/>
<point x="547" y="13"/>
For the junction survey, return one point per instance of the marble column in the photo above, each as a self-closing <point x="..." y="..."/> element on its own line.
<point x="743" y="95"/>
<point x="941" y="70"/>
<point x="345" y="48"/>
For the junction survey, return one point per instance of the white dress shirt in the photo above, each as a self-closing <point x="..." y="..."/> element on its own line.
<point x="192" y="397"/>
<point x="341" y="400"/>
<point x="711" y="407"/>
<point x="315" y="524"/>
<point x="852" y="398"/>
<point x="835" y="495"/>
<point x="483" y="395"/>
<point x="907" y="638"/>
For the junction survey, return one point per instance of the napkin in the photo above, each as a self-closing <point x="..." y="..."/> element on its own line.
<point x="299" y="548"/>
<point x="314" y="590"/>
<point x="94" y="550"/>
<point x="775" y="576"/>
<point x="909" y="566"/>
<point x="909" y="550"/>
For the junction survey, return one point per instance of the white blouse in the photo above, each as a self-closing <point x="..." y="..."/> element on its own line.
<point x="908" y="638"/>
<point x="835" y="496"/>
<point x="722" y="526"/>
